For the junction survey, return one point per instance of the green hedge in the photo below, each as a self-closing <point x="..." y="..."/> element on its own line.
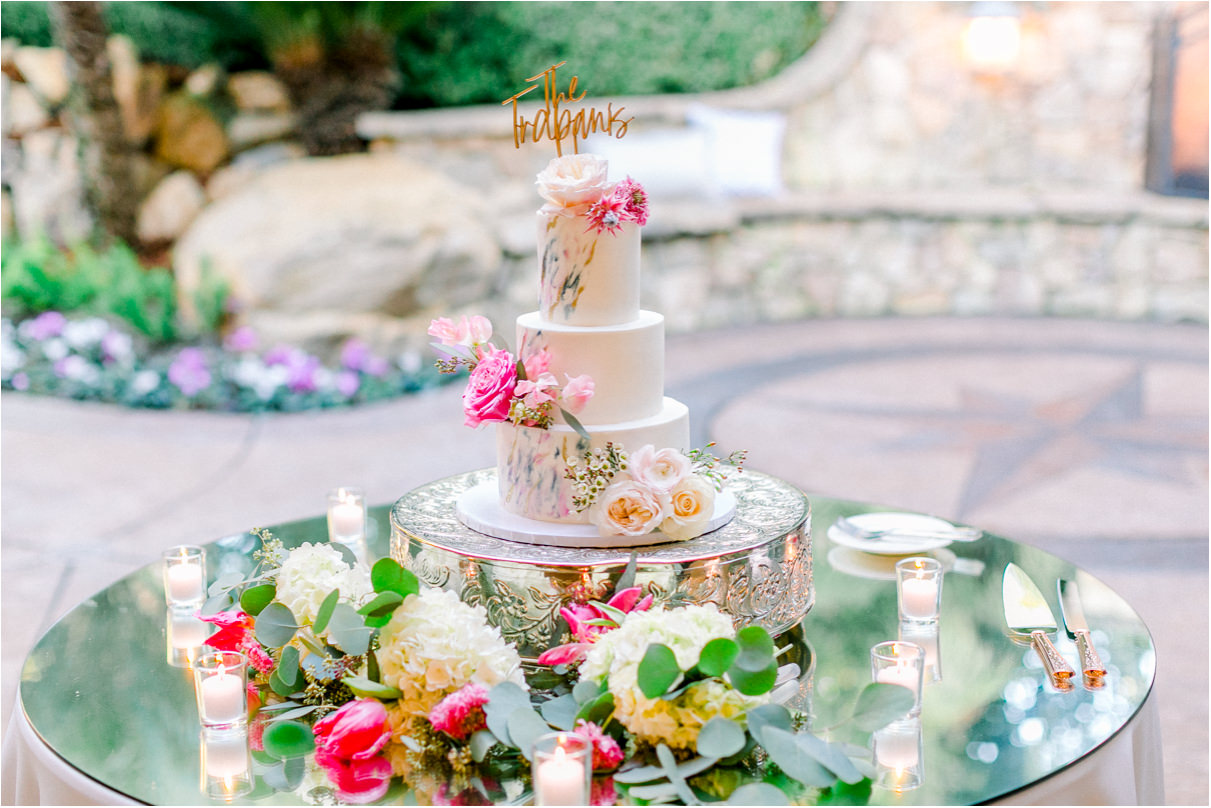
<point x="480" y="52"/>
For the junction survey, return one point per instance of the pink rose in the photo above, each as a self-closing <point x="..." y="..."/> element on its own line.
<point x="357" y="731"/>
<point x="444" y="330"/>
<point x="489" y="392"/>
<point x="467" y="332"/>
<point x="572" y="180"/>
<point x="462" y="712"/>
<point x="577" y="392"/>
<point x="660" y="470"/>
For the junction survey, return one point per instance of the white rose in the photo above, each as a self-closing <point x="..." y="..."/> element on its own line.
<point x="627" y="508"/>
<point x="572" y="180"/>
<point x="691" y="505"/>
<point x="660" y="470"/>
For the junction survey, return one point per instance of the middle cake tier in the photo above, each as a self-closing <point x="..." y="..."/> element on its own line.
<point x="626" y="362"/>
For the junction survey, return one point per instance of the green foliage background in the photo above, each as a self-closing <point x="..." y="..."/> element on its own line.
<point x="465" y="53"/>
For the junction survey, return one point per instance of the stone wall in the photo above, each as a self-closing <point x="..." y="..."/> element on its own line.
<point x="881" y="174"/>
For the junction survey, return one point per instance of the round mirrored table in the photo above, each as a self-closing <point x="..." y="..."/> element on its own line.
<point x="102" y="709"/>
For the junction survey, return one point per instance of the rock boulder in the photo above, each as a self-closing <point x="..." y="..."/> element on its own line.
<point x="329" y="244"/>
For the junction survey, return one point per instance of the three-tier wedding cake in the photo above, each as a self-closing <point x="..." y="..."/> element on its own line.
<point x="590" y="451"/>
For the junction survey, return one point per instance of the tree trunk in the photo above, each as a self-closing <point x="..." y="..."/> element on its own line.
<point x="106" y="156"/>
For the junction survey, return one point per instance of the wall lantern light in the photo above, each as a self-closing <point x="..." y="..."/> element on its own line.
<point x="992" y="38"/>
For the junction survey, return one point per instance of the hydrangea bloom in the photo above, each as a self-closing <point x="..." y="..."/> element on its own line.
<point x="435" y="644"/>
<point x="615" y="658"/>
<point x="310" y="572"/>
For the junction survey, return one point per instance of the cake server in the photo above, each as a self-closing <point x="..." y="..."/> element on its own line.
<point x="1078" y="629"/>
<point x="1028" y="615"/>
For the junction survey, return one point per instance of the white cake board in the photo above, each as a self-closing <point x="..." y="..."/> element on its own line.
<point x="479" y="508"/>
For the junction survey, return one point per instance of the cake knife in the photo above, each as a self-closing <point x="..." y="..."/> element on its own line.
<point x="1028" y="615"/>
<point x="1078" y="629"/>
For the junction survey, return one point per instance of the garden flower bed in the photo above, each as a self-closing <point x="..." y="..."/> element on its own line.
<point x="91" y="358"/>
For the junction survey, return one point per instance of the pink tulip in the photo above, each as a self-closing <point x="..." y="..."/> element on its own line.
<point x="356" y="781"/>
<point x="357" y="731"/>
<point x="564" y="654"/>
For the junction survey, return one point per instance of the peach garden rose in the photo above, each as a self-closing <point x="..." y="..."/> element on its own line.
<point x="572" y="181"/>
<point x="692" y="503"/>
<point x="627" y="508"/>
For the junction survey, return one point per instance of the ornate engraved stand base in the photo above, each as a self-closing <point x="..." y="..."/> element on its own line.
<point x="757" y="568"/>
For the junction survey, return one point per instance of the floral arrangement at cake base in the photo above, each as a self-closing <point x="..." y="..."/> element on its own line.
<point x="368" y="684"/>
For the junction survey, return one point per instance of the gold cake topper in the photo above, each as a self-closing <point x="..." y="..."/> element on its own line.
<point x="555" y="123"/>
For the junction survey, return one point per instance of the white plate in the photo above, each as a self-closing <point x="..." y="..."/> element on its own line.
<point x="895" y="545"/>
<point x="878" y="567"/>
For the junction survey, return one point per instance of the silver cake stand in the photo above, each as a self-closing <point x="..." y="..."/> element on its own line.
<point x="757" y="568"/>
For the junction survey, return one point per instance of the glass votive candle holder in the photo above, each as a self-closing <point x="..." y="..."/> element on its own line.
<point x="898" y="749"/>
<point x="562" y="768"/>
<point x="185" y="576"/>
<point x="220" y="680"/>
<point x="899" y="663"/>
<point x="919" y="589"/>
<point x="185" y="635"/>
<point x="226" y="764"/>
<point x="926" y="636"/>
<point x="346" y="515"/>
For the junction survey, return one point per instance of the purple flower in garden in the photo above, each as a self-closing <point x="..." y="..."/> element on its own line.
<point x="347" y="383"/>
<point x="115" y="346"/>
<point x="279" y="355"/>
<point x="20" y="381"/>
<point x="375" y="366"/>
<point x="354" y="354"/>
<point x="302" y="367"/>
<point x="241" y="340"/>
<point x="46" y="325"/>
<point x="188" y="372"/>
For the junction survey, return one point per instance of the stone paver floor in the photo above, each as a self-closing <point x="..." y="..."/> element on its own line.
<point x="1088" y="439"/>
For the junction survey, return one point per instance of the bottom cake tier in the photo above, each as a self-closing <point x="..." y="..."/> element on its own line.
<point x="757" y="568"/>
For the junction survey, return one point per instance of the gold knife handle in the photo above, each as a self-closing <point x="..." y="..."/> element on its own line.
<point x="1091" y="663"/>
<point x="1057" y="667"/>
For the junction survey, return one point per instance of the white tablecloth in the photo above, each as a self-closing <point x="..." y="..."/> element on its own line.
<point x="1126" y="770"/>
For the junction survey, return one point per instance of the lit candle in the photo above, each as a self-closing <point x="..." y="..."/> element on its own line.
<point x="346" y="515"/>
<point x="920" y="598"/>
<point x="226" y="755"/>
<point x="560" y="780"/>
<point x="187" y="630"/>
<point x="899" y="663"/>
<point x="902" y="674"/>
<point x="896" y="747"/>
<point x="184" y="575"/>
<point x="223" y="700"/>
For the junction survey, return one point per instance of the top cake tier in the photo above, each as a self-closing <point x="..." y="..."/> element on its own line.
<point x="587" y="278"/>
<point x="588" y="243"/>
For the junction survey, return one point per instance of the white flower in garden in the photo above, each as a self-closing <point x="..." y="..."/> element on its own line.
<point x="55" y="349"/>
<point x="615" y="658"/>
<point x="264" y="380"/>
<point x="144" y="382"/>
<point x="310" y="572"/>
<point x="78" y="369"/>
<point x="117" y="346"/>
<point x="82" y="334"/>
<point x="435" y="644"/>
<point x="11" y="357"/>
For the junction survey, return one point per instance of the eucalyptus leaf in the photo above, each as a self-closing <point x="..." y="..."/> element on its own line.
<point x="297" y="712"/>
<point x="387" y="575"/>
<point x="308" y="641"/>
<point x="481" y="743"/>
<point x="646" y="774"/>
<point x="756" y="649"/>
<point x="753" y="683"/>
<point x="279" y="685"/>
<point x="256" y="598"/>
<point x="654" y="794"/>
<point x="314" y="664"/>
<point x="275" y="625"/>
<point x="348" y="630"/>
<point x="657" y="670"/>
<point x="560" y="712"/>
<point x="274" y="775"/>
<point x="288" y="666"/>
<point x="525" y="727"/>
<point x="717" y="656"/>
<point x="225" y="582"/>
<point x="758" y="794"/>
<point x="288" y="739"/>
<point x="294" y="769"/>
<point x="577" y="427"/>
<point x="382" y="603"/>
<point x="585" y="690"/>
<point x="830" y="756"/>
<point x="347" y="554"/>
<point x="669" y="764"/>
<point x="217" y="603"/>
<point x="794" y="761"/>
<point x="627" y="579"/>
<point x="503" y="699"/>
<point x="879" y="704"/>
<point x="324" y="614"/>
<point x="368" y="689"/>
<point x="721" y="737"/>
<point x="277" y="708"/>
<point x="768" y="715"/>
<point x="597" y="710"/>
